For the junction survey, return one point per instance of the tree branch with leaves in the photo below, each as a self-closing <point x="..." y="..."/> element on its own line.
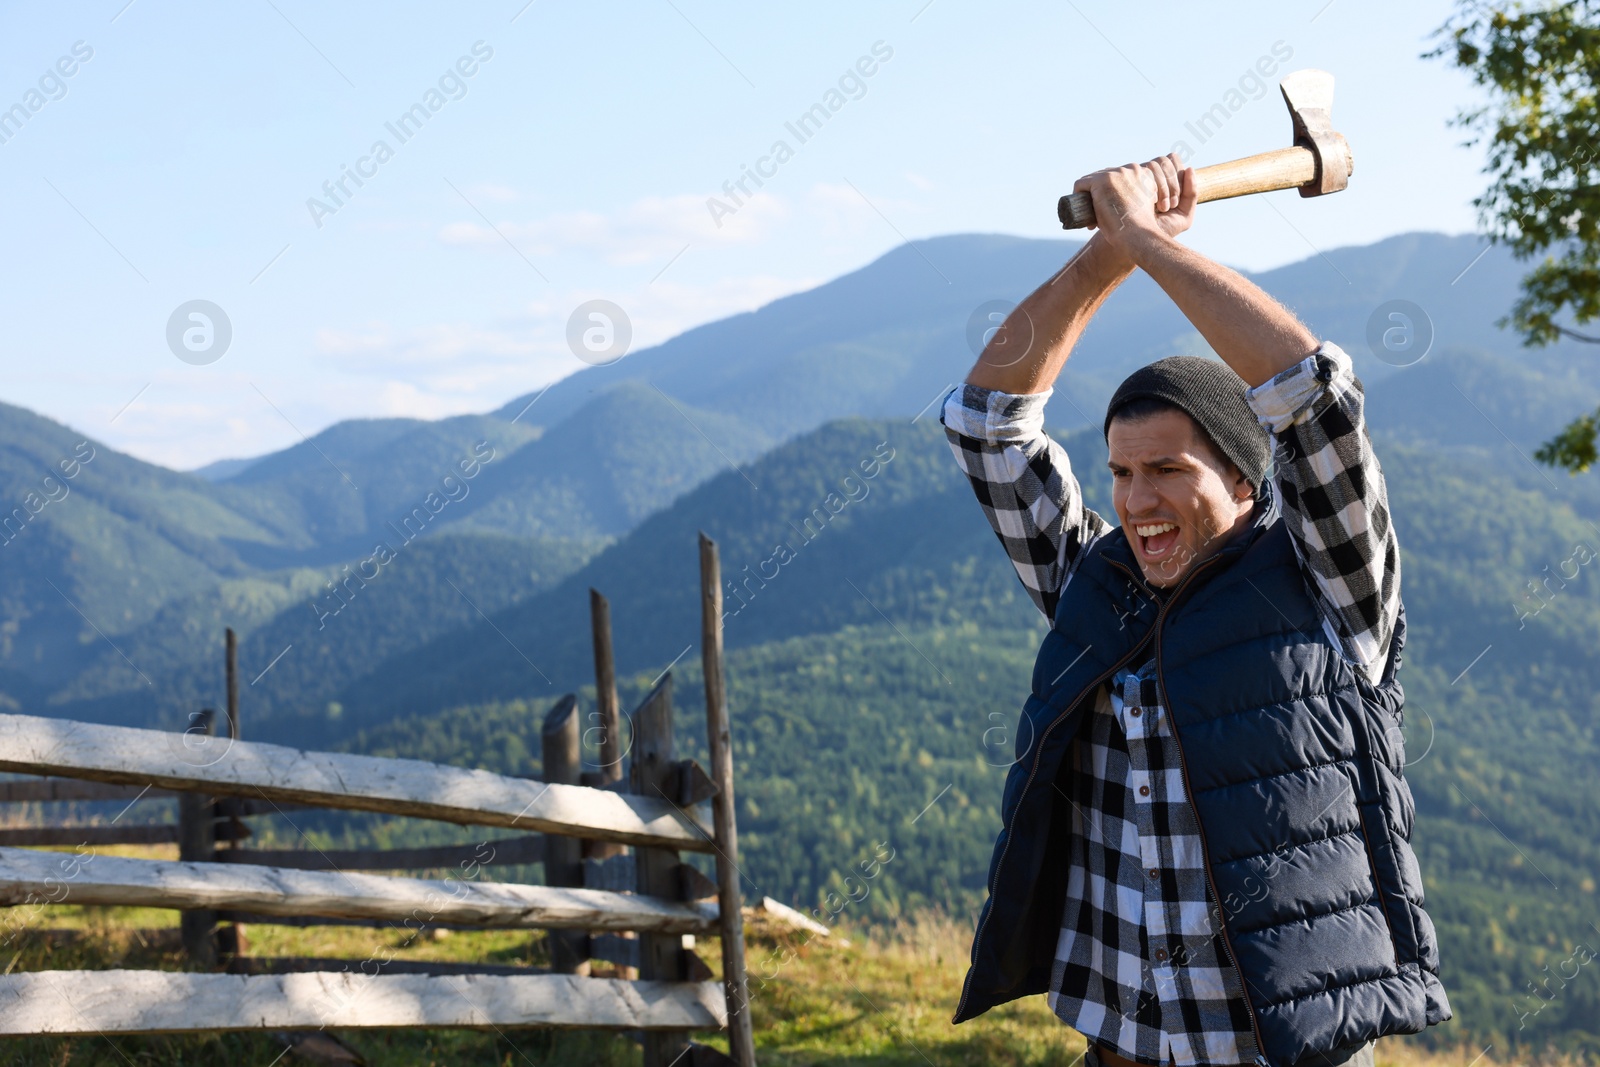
<point x="1541" y="65"/>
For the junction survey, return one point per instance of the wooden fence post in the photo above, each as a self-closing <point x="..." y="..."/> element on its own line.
<point x="232" y="641"/>
<point x="563" y="856"/>
<point x="605" y="688"/>
<point x="611" y="770"/>
<point x="197" y="843"/>
<point x="653" y="774"/>
<point x="741" y="1031"/>
<point x="231" y="942"/>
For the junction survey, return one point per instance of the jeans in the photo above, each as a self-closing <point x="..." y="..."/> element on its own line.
<point x="1350" y="1056"/>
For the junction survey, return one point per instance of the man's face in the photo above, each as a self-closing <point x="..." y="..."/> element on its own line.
<point x="1178" y="501"/>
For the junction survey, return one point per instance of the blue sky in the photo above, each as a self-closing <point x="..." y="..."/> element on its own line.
<point x="575" y="162"/>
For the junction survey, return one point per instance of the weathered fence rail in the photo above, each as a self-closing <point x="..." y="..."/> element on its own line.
<point x="46" y="789"/>
<point x="46" y="836"/>
<point x="609" y="841"/>
<point x="129" y="756"/>
<point x="102" y="1002"/>
<point x="113" y="880"/>
<point x="503" y="852"/>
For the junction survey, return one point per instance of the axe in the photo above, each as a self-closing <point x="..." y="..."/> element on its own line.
<point x="1319" y="162"/>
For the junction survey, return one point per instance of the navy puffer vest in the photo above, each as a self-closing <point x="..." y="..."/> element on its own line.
<point x="1292" y="761"/>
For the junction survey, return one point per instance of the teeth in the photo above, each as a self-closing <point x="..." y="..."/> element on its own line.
<point x="1151" y="531"/>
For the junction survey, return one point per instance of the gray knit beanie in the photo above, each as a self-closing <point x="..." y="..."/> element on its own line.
<point x="1210" y="393"/>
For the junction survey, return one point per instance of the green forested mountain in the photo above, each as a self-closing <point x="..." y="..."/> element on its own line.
<point x="333" y="494"/>
<point x="118" y="577"/>
<point x="629" y="451"/>
<point x="909" y="552"/>
<point x="89" y="533"/>
<point x="879" y="644"/>
<point x="882" y="340"/>
<point x="304" y="639"/>
<point x="602" y="450"/>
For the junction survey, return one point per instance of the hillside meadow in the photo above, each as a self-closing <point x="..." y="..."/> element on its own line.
<point x="868" y="995"/>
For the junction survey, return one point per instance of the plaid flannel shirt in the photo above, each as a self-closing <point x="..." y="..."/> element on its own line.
<point x="1140" y="968"/>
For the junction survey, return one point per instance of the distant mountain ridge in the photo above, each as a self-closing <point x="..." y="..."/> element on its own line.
<point x="221" y="469"/>
<point x="604" y="450"/>
<point x="884" y="340"/>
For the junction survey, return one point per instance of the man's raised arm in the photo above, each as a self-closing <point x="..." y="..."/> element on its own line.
<point x="1253" y="333"/>
<point x="1027" y="352"/>
<point x="1030" y="348"/>
<point x="995" y="424"/>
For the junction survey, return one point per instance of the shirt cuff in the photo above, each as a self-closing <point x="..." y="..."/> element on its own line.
<point x="992" y="416"/>
<point x="1279" y="403"/>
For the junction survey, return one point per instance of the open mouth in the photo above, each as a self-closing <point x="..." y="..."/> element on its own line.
<point x="1156" y="539"/>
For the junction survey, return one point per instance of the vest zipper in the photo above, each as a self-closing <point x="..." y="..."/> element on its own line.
<point x="977" y="937"/>
<point x="1188" y="791"/>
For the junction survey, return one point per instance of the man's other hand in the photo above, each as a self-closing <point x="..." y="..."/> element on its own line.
<point x="1154" y="198"/>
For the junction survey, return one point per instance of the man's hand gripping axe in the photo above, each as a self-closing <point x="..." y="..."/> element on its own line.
<point x="1318" y="163"/>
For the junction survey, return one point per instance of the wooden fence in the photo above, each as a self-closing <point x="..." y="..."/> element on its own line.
<point x="615" y="890"/>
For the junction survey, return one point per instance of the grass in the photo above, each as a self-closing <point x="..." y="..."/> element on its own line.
<point x="880" y="997"/>
<point x="885" y="998"/>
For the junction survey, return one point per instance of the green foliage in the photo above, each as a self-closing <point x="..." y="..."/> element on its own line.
<point x="1573" y="449"/>
<point x="1541" y="64"/>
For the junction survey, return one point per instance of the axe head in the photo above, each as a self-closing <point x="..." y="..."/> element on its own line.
<point x="1309" y="96"/>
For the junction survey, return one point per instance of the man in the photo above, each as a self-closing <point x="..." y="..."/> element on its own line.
<point x="1204" y="857"/>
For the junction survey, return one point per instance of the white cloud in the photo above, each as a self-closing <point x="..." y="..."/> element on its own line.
<point x="184" y="421"/>
<point x="378" y="346"/>
<point x="838" y="209"/>
<point x="666" y="309"/>
<point x="398" y="366"/>
<point x="650" y="230"/>
<point x="493" y="193"/>
<point x="441" y="369"/>
<point x="445" y="368"/>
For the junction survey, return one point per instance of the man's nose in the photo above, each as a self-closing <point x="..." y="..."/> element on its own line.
<point x="1142" y="495"/>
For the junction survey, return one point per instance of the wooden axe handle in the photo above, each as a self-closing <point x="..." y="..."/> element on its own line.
<point x="1285" y="168"/>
